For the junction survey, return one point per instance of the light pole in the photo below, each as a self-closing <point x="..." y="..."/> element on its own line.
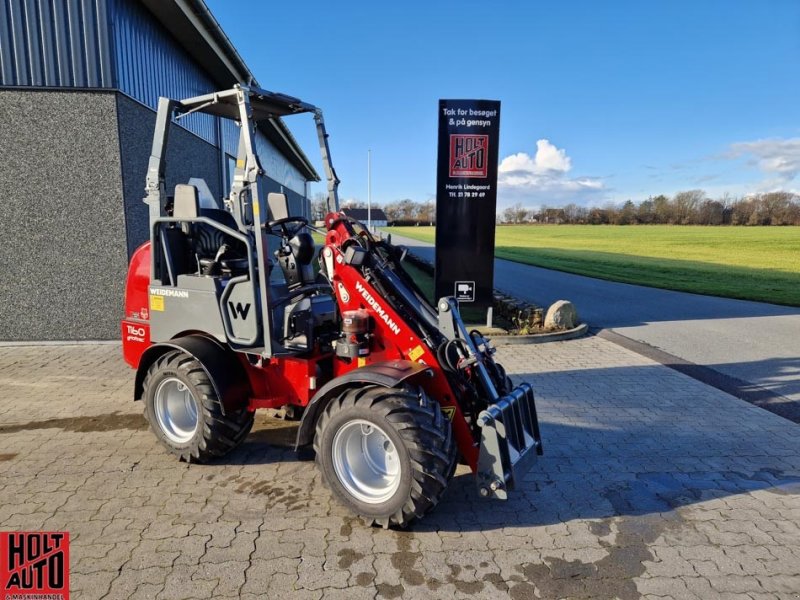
<point x="369" y="189"/>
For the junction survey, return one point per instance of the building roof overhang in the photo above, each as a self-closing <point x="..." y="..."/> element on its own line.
<point x="194" y="27"/>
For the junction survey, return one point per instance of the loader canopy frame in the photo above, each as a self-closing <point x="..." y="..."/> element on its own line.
<point x="246" y="201"/>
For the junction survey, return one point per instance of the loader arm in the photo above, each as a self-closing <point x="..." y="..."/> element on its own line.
<point x="495" y="424"/>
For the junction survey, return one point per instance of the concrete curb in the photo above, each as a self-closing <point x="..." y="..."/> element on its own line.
<point x="541" y="338"/>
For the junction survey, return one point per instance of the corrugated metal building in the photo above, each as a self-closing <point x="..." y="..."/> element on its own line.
<point x="79" y="84"/>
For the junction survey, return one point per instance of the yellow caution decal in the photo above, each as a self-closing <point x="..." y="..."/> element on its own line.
<point x="415" y="353"/>
<point x="156" y="302"/>
<point x="362" y="362"/>
<point x="448" y="411"/>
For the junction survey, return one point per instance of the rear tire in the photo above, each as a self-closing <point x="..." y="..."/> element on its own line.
<point x="386" y="453"/>
<point x="185" y="413"/>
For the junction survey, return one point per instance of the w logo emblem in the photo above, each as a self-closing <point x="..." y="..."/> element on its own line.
<point x="239" y="311"/>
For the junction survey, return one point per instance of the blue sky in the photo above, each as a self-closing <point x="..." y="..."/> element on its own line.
<point x="601" y="101"/>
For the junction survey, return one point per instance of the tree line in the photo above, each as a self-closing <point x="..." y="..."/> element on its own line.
<point x="399" y="212"/>
<point x="691" y="207"/>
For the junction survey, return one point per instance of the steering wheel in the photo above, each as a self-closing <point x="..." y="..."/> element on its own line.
<point x="282" y="223"/>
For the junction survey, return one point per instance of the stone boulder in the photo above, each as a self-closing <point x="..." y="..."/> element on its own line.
<point x="561" y="315"/>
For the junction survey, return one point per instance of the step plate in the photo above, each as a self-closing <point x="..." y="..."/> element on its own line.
<point x="510" y="442"/>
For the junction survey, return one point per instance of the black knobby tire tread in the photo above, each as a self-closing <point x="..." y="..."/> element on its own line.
<point x="427" y="437"/>
<point x="220" y="433"/>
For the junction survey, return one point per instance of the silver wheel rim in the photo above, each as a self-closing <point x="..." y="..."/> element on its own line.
<point x="366" y="461"/>
<point x="176" y="410"/>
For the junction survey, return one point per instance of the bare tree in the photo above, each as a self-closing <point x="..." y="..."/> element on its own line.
<point x="627" y="214"/>
<point x="774" y="208"/>
<point x="354" y="203"/>
<point x="515" y="214"/>
<point x="662" y="209"/>
<point x="710" y="212"/>
<point x="319" y="206"/>
<point x="426" y="212"/>
<point x="742" y="211"/>
<point x="392" y="211"/>
<point x="685" y="206"/>
<point x="575" y="214"/>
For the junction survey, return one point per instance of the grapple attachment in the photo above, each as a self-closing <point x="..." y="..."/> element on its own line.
<point x="510" y="442"/>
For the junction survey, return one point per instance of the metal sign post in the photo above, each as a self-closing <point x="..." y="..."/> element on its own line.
<point x="466" y="199"/>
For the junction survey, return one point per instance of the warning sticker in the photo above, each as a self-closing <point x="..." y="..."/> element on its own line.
<point x="156" y="302"/>
<point x="449" y="411"/>
<point x="415" y="353"/>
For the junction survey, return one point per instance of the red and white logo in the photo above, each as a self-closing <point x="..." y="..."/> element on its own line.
<point x="469" y="155"/>
<point x="34" y="564"/>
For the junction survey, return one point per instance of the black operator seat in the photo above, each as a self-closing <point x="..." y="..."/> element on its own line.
<point x="217" y="252"/>
<point x="297" y="247"/>
<point x="303" y="247"/>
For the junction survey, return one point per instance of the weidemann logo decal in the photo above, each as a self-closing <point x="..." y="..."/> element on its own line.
<point x="377" y="308"/>
<point x="169" y="293"/>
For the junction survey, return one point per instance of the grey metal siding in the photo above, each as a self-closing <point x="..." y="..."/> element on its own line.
<point x="230" y="137"/>
<point x="150" y="63"/>
<point x="55" y="43"/>
<point x="277" y="167"/>
<point x="275" y="164"/>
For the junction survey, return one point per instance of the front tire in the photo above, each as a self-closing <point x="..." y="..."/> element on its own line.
<point x="185" y="413"/>
<point x="386" y="453"/>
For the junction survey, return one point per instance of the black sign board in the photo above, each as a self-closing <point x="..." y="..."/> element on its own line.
<point x="466" y="198"/>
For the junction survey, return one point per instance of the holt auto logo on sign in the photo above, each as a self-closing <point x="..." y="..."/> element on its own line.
<point x="34" y="565"/>
<point x="469" y="155"/>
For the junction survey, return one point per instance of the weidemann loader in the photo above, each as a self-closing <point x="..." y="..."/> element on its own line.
<point x="390" y="392"/>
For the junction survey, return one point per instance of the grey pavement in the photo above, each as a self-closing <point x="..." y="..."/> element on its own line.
<point x="752" y="341"/>
<point x="653" y="485"/>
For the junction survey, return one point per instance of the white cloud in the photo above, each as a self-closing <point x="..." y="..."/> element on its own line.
<point x="543" y="176"/>
<point x="778" y="159"/>
<point x="548" y="158"/>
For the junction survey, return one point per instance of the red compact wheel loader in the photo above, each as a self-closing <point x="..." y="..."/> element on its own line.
<point x="390" y="391"/>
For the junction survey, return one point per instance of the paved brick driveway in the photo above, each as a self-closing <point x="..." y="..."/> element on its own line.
<point x="653" y="485"/>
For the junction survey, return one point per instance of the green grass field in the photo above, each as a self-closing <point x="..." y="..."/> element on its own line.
<point x="752" y="263"/>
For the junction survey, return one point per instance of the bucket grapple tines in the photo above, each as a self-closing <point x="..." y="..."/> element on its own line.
<point x="510" y="442"/>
